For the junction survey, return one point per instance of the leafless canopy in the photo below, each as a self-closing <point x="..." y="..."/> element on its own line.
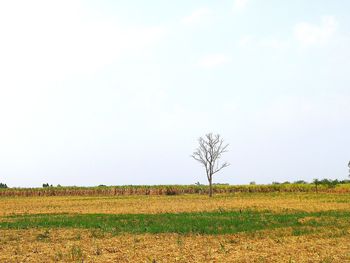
<point x="209" y="152"/>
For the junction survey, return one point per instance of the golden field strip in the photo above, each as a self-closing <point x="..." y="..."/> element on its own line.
<point x="75" y="245"/>
<point x="174" y="204"/>
<point x="325" y="243"/>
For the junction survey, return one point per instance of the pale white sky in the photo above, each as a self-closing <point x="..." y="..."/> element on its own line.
<point x="106" y="92"/>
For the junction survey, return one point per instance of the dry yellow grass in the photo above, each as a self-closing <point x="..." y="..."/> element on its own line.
<point x="72" y="245"/>
<point x="182" y="203"/>
<point x="75" y="245"/>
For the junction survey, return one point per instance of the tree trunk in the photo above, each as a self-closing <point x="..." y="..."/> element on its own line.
<point x="210" y="188"/>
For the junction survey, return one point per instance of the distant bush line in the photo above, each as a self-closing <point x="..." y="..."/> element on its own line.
<point x="176" y="189"/>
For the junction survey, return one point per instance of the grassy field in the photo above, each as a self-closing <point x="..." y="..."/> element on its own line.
<point x="239" y="227"/>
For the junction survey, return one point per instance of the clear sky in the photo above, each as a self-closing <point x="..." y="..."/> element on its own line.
<point x="118" y="92"/>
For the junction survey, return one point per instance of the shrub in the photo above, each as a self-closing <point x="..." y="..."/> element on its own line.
<point x="76" y="254"/>
<point x="300" y="182"/>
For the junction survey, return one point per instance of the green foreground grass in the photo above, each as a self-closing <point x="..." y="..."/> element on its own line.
<point x="220" y="222"/>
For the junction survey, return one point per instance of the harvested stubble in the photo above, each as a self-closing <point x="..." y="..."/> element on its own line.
<point x="327" y="244"/>
<point x="83" y="246"/>
<point x="173" y="204"/>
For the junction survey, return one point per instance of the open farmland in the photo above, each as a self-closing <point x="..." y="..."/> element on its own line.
<point x="236" y="227"/>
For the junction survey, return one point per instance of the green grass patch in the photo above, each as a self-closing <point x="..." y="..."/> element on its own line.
<point x="220" y="222"/>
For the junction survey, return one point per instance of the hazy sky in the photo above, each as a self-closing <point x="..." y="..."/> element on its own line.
<point x="118" y="92"/>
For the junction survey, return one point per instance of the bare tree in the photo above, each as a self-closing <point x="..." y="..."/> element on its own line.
<point x="210" y="150"/>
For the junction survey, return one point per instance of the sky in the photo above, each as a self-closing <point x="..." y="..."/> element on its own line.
<point x="118" y="92"/>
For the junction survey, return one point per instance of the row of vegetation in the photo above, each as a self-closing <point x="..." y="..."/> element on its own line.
<point x="220" y="222"/>
<point x="332" y="186"/>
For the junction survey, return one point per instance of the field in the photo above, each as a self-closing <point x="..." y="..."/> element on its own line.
<point x="283" y="226"/>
